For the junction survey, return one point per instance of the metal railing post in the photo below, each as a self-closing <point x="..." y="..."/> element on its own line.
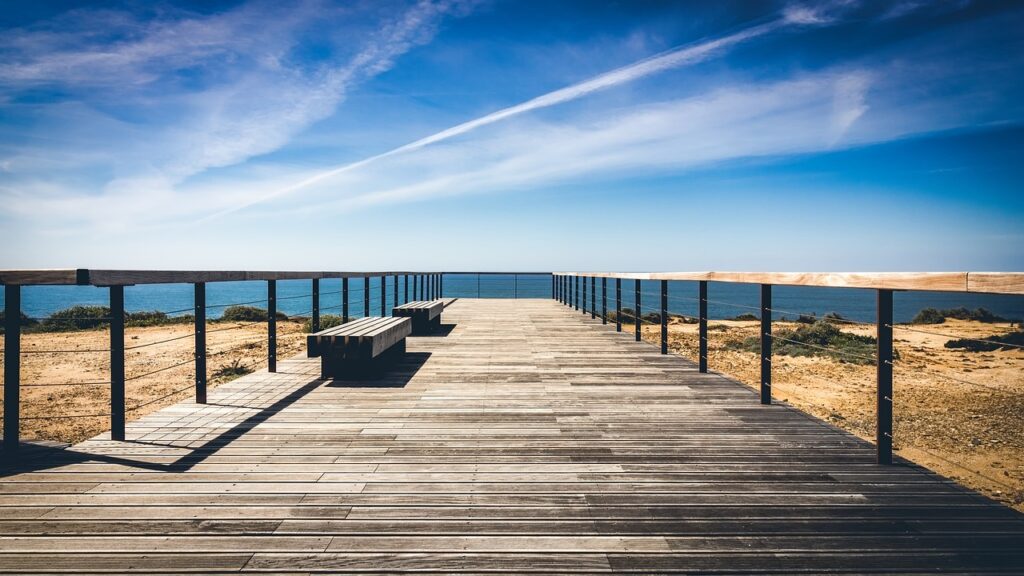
<point x="604" y="300"/>
<point x="636" y="318"/>
<point x="200" y="332"/>
<point x="406" y="283"/>
<point x="664" y="316"/>
<point x="766" y="344"/>
<point x="584" y="282"/>
<point x="593" y="297"/>
<point x="702" y="297"/>
<point x="366" y="296"/>
<point x="883" y="372"/>
<point x="344" y="300"/>
<point x="383" y="295"/>
<point x="12" y="366"/>
<point x="117" y="363"/>
<point x="576" y="292"/>
<point x="271" y="325"/>
<point x="415" y="285"/>
<point x="396" y="289"/>
<point x="314" y="322"/>
<point x="618" y="304"/>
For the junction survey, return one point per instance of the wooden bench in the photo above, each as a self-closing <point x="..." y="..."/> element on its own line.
<point x="425" y="315"/>
<point x="359" y="348"/>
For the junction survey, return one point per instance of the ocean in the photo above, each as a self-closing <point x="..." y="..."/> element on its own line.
<point x="725" y="300"/>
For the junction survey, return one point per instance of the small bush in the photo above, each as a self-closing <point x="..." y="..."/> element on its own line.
<point x="76" y="318"/>
<point x="231" y="371"/>
<point x="934" y="316"/>
<point x="628" y="316"/>
<point x="154" y="318"/>
<point x="326" y="321"/>
<point x="841" y="346"/>
<point x="247" y="314"/>
<point x="998" y="342"/>
<point x="26" y="322"/>
<point x="747" y="317"/>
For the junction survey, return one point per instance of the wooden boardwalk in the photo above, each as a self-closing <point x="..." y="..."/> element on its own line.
<point x="527" y="439"/>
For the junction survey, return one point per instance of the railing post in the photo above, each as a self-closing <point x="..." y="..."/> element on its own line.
<point x="664" y="316"/>
<point x="636" y="318"/>
<point x="593" y="297"/>
<point x="366" y="296"/>
<point x="618" y="304"/>
<point x="12" y="366"/>
<point x="200" y="331"/>
<point x="440" y="284"/>
<point x="344" y="300"/>
<point x="396" y="289"/>
<point x="117" y="363"/>
<point x="576" y="292"/>
<point x="883" y="371"/>
<point x="271" y="325"/>
<point x="415" y="285"/>
<point x="554" y="292"/>
<point x="383" y="295"/>
<point x="584" y="282"/>
<point x="406" y="283"/>
<point x="766" y="343"/>
<point x="604" y="300"/>
<point x="702" y="297"/>
<point x="314" y="322"/>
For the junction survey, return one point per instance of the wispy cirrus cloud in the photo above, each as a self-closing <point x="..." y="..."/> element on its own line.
<point x="156" y="100"/>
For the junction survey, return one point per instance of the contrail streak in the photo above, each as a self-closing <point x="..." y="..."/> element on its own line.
<point x="673" y="58"/>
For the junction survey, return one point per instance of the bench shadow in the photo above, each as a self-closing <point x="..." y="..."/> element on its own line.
<point x="396" y="376"/>
<point x="442" y="331"/>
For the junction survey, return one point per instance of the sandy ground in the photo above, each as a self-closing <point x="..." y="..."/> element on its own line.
<point x="970" y="430"/>
<point x="227" y="343"/>
<point x="958" y="413"/>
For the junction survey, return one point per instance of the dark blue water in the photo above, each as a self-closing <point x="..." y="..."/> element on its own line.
<point x="726" y="300"/>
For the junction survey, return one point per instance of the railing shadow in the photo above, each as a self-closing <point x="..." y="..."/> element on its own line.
<point x="33" y="457"/>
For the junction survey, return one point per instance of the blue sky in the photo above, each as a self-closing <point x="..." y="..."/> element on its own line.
<point x="842" y="135"/>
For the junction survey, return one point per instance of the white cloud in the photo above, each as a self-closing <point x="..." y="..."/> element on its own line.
<point x="133" y="116"/>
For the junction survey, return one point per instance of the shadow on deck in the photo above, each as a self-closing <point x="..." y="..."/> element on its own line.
<point x="528" y="438"/>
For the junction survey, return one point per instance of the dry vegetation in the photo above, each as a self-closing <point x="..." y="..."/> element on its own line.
<point x="230" y="344"/>
<point x="956" y="412"/>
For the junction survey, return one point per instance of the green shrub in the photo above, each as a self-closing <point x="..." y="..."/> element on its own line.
<point x="231" y="371"/>
<point x="933" y="316"/>
<point x="628" y="316"/>
<point x="326" y="321"/>
<point x="26" y="322"/>
<point x="746" y="317"/>
<point x="76" y="318"/>
<point x="155" y="318"/>
<point x="998" y="342"/>
<point x="247" y="314"/>
<point x="839" y="345"/>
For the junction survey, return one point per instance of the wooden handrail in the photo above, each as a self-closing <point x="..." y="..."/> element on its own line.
<point x="90" y="277"/>
<point x="986" y="282"/>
